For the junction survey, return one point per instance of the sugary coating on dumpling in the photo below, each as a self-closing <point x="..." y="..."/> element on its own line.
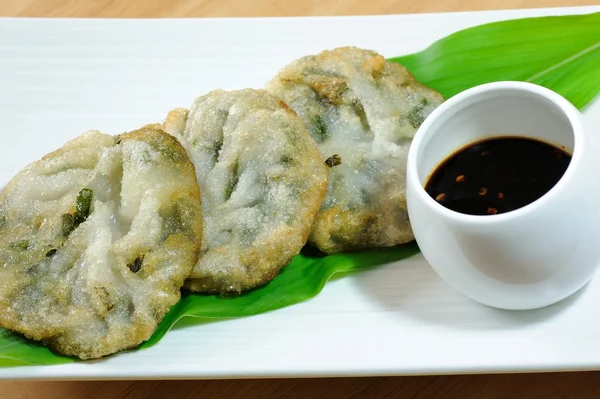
<point x="262" y="181"/>
<point x="363" y="112"/>
<point x="96" y="240"/>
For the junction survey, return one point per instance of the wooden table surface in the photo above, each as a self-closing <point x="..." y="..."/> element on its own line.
<point x="545" y="386"/>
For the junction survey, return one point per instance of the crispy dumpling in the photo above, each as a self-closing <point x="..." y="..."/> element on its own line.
<point x="363" y="112"/>
<point x="96" y="240"/>
<point x="262" y="181"/>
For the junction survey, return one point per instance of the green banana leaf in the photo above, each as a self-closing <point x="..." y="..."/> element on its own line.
<point x="561" y="53"/>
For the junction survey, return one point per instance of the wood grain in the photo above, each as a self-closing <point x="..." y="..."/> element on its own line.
<point x="547" y="386"/>
<point x="238" y="8"/>
<point x="543" y="386"/>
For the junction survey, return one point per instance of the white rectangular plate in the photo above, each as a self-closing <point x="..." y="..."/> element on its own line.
<point x="59" y="78"/>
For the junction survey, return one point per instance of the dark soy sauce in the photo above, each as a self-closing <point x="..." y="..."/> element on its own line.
<point x="497" y="175"/>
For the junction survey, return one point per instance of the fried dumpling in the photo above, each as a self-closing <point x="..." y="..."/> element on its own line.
<point x="262" y="181"/>
<point x="96" y="240"/>
<point x="363" y="112"/>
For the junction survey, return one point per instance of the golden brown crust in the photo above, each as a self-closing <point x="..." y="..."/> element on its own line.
<point x="253" y="143"/>
<point x="363" y="112"/>
<point x="105" y="283"/>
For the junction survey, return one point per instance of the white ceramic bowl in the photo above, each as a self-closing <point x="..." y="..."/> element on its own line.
<point x="533" y="256"/>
